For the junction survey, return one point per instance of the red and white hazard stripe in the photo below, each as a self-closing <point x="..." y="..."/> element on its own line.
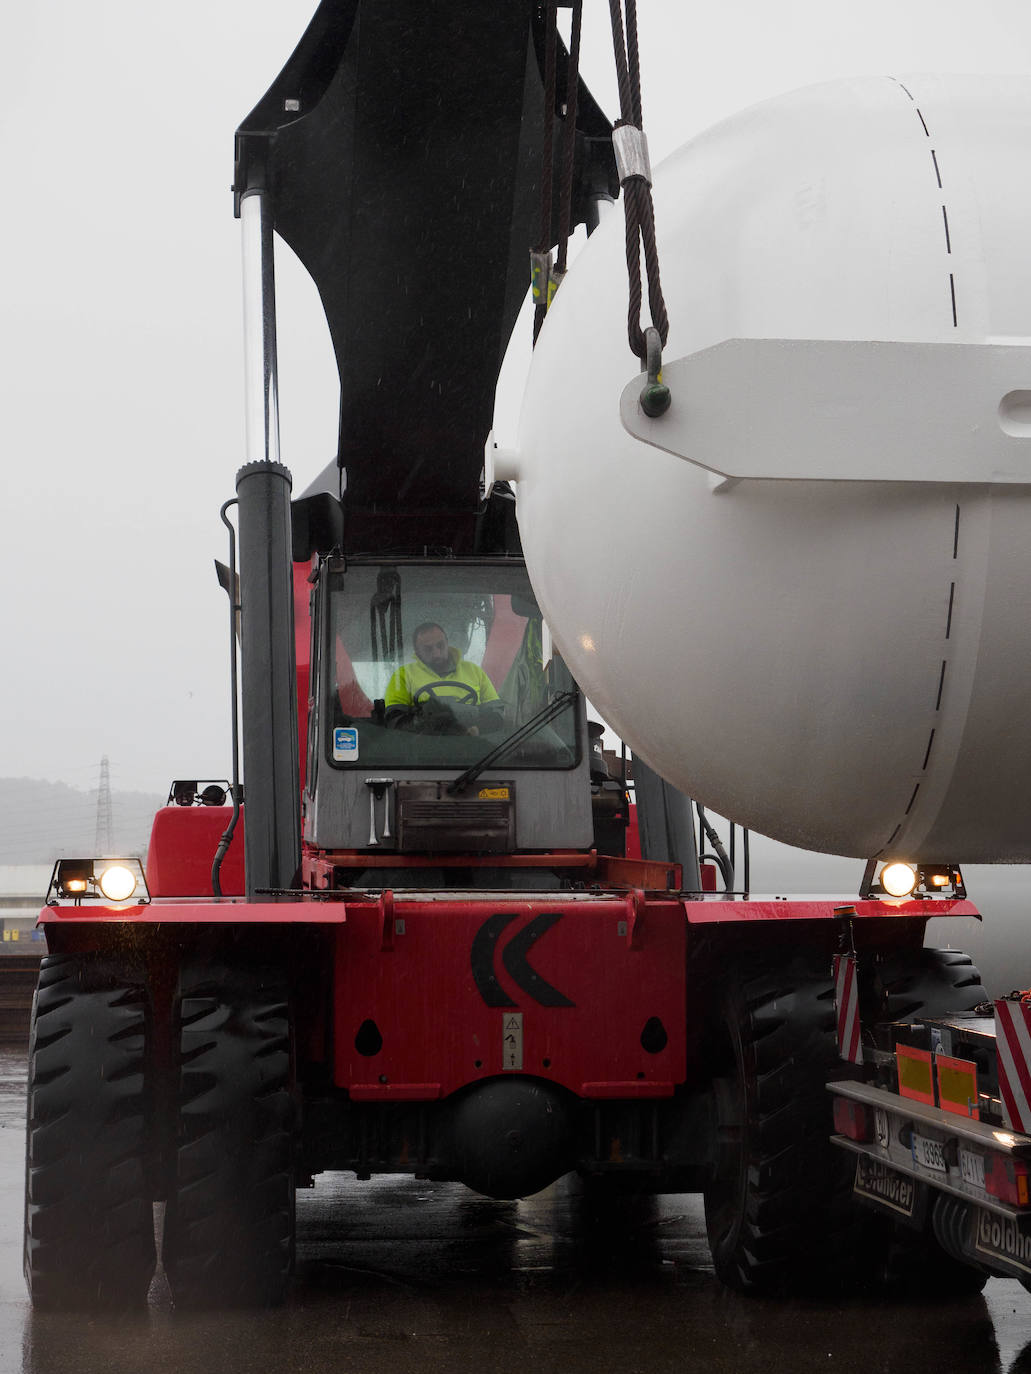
<point x="1013" y="1041"/>
<point x="846" y="999"/>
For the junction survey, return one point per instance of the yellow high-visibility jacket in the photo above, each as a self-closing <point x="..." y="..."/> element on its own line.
<point x="406" y="682"/>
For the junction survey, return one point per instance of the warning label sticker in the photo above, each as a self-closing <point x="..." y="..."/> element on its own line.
<point x="512" y="1040"/>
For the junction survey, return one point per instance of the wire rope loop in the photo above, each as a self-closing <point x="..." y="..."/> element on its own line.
<point x="634" y="169"/>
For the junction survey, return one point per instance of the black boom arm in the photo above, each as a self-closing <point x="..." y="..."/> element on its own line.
<point x="400" y="153"/>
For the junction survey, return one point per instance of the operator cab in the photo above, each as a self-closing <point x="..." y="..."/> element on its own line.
<point x="441" y="722"/>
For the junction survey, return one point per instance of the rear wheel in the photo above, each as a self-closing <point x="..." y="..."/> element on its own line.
<point x="89" y="1227"/>
<point x="229" y="1222"/>
<point x="778" y="1211"/>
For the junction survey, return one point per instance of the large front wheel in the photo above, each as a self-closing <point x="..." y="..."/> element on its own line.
<point x="89" y="1225"/>
<point x="777" y="1210"/>
<point x="229" y="1223"/>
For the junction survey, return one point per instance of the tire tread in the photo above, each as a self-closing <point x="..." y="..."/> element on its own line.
<point x="89" y="1233"/>
<point x="229" y="1221"/>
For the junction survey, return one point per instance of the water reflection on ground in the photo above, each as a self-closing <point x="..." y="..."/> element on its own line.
<point x="397" y="1275"/>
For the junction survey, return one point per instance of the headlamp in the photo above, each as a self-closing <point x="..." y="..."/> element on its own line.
<point x="898" y="879"/>
<point x="115" y="881"/>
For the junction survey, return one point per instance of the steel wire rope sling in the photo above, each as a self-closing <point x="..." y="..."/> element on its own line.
<point x="635" y="177"/>
<point x="634" y="170"/>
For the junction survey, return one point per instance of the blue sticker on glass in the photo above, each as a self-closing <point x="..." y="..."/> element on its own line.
<point x="345" y="744"/>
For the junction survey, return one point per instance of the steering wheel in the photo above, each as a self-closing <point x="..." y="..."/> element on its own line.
<point x="466" y="696"/>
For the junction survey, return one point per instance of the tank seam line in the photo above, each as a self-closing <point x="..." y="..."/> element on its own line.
<point x="945" y="213"/>
<point x="941" y="685"/>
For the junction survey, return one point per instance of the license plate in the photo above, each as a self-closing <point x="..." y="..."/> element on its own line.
<point x="971" y="1167"/>
<point x="880" y="1119"/>
<point x="929" y="1153"/>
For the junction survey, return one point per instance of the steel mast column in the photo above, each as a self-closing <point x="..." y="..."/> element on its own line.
<point x="268" y="673"/>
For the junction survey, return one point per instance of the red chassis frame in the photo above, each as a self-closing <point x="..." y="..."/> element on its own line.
<point x="410" y="997"/>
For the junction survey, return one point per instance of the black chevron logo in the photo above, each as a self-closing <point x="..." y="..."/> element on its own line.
<point x="515" y="959"/>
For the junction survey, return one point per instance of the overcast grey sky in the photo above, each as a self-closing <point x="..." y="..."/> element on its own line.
<point x="120" y="385"/>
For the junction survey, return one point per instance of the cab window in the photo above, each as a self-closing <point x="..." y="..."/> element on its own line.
<point x="437" y="664"/>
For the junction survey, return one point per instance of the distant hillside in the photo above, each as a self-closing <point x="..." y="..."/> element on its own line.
<point x="39" y="821"/>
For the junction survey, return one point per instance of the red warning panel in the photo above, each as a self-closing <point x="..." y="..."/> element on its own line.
<point x="1013" y="1043"/>
<point x="957" y="1086"/>
<point x="846" y="1000"/>
<point x="916" y="1074"/>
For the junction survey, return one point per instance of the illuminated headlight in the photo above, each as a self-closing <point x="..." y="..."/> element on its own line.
<point x="72" y="877"/>
<point x="898" y="879"/>
<point x="942" y="878"/>
<point x="117" y="883"/>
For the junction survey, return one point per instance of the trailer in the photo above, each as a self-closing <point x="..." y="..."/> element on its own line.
<point x="933" y="1115"/>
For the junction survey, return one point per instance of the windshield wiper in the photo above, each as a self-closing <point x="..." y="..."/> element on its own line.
<point x="543" y="717"/>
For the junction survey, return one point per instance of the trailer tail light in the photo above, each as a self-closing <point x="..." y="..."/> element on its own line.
<point x="852" y="1119"/>
<point x="1007" y="1179"/>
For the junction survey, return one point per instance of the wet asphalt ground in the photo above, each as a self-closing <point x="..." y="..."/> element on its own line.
<point x="397" y="1275"/>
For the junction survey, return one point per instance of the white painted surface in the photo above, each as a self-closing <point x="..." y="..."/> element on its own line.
<point x="775" y="648"/>
<point x="827" y="409"/>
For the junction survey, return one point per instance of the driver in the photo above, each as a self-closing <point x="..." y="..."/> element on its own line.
<point x="438" y="673"/>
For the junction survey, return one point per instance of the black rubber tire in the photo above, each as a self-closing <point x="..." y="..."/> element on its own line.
<point x="927" y="982"/>
<point x="229" y="1221"/>
<point x="89" y="1219"/>
<point x="778" y="1213"/>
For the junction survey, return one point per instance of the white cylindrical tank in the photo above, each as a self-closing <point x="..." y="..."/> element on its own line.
<point x="834" y="651"/>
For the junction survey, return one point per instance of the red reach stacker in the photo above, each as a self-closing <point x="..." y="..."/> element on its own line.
<point x="420" y="946"/>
